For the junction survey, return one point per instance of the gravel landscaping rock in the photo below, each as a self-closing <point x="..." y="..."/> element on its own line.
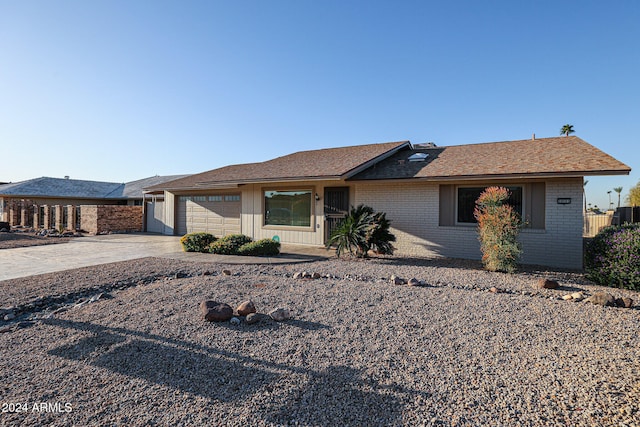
<point x="356" y="350"/>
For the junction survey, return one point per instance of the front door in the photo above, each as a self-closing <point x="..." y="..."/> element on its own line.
<point x="336" y="207"/>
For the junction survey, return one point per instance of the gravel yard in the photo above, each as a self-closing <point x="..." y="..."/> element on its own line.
<point x="358" y="351"/>
<point x="20" y="240"/>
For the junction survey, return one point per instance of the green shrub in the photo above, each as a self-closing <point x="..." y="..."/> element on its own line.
<point x="362" y="230"/>
<point x="264" y="247"/>
<point x="229" y="245"/>
<point x="498" y="228"/>
<point x="612" y="258"/>
<point x="197" y="242"/>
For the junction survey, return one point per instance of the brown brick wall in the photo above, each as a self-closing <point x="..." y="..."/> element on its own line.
<point x="98" y="219"/>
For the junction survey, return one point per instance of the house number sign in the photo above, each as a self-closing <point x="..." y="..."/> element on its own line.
<point x="564" y="200"/>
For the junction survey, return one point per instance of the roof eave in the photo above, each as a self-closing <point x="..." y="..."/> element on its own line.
<point x="573" y="174"/>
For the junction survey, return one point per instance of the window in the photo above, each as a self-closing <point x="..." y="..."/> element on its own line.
<point x="185" y="198"/>
<point x="289" y="208"/>
<point x="199" y="198"/>
<point x="215" y="198"/>
<point x="467" y="197"/>
<point x="232" y="198"/>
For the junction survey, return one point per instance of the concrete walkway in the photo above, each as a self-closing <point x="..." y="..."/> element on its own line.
<point x="96" y="250"/>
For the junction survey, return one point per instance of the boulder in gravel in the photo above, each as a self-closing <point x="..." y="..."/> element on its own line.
<point x="602" y="298"/>
<point x="577" y="296"/>
<point x="254" y="318"/>
<point x="9" y="316"/>
<point x="624" y="302"/>
<point x="546" y="284"/>
<point x="413" y="282"/>
<point x="234" y="321"/>
<point x="226" y="272"/>
<point x="395" y="280"/>
<point x="246" y="307"/>
<point x="280" y="314"/>
<point x="316" y="275"/>
<point x="214" y="311"/>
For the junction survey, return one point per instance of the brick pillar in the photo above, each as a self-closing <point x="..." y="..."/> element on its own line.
<point x="13" y="215"/>
<point x="36" y="216"/>
<point x="24" y="213"/>
<point x="58" y="224"/>
<point x="71" y="217"/>
<point x="47" y="217"/>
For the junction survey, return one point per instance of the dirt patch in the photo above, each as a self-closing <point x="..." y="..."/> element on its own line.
<point x="22" y="240"/>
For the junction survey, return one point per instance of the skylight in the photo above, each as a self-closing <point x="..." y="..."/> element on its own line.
<point x="418" y="157"/>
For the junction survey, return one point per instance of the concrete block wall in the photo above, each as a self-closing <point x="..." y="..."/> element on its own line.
<point x="96" y="219"/>
<point x="413" y="209"/>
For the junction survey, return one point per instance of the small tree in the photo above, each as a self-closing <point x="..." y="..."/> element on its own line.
<point x="362" y="230"/>
<point x="634" y="195"/>
<point x="618" y="190"/>
<point x="498" y="228"/>
<point x="566" y="130"/>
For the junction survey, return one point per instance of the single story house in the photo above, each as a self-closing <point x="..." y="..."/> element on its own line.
<point x="428" y="193"/>
<point x="65" y="191"/>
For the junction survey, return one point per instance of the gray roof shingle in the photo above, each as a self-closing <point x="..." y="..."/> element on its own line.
<point x="80" y="189"/>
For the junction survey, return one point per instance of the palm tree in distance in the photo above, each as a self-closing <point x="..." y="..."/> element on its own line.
<point x="618" y="190"/>
<point x="566" y="130"/>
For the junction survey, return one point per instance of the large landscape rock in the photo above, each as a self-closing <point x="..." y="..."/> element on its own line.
<point x="602" y="298"/>
<point x="245" y="308"/>
<point x="256" y="318"/>
<point x="214" y="311"/>
<point x="279" y="314"/>
<point x="546" y="284"/>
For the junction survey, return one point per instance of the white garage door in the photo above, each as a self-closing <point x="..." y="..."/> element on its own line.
<point x="215" y="214"/>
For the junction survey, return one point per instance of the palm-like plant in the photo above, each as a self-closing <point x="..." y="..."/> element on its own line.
<point x="360" y="231"/>
<point x="566" y="130"/>
<point x="618" y="190"/>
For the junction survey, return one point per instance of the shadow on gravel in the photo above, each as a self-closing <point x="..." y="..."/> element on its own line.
<point x="354" y="398"/>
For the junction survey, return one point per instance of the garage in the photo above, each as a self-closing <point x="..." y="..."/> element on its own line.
<point x="218" y="214"/>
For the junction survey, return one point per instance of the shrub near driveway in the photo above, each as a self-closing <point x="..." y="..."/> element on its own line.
<point x="612" y="258"/>
<point x="229" y="245"/>
<point x="197" y="242"/>
<point x="264" y="247"/>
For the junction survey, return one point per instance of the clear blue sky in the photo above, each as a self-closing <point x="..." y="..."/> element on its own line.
<point x="121" y="90"/>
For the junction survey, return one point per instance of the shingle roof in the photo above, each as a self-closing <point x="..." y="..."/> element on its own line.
<point x="80" y="189"/>
<point x="59" y="187"/>
<point x="329" y="163"/>
<point x="559" y="156"/>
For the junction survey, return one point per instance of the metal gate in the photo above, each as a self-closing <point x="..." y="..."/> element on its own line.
<point x="336" y="207"/>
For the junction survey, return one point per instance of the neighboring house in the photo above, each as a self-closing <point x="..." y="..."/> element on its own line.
<point x="65" y="191"/>
<point x="428" y="193"/>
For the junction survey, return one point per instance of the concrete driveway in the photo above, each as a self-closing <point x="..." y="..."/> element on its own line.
<point x="96" y="250"/>
<point x="83" y="252"/>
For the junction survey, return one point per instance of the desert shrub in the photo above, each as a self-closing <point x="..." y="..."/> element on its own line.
<point x="197" y="242"/>
<point x="362" y="230"/>
<point x="229" y="245"/>
<point x="264" y="247"/>
<point x="498" y="228"/>
<point x="612" y="258"/>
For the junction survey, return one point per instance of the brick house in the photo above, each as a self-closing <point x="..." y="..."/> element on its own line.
<point x="17" y="200"/>
<point x="428" y="193"/>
